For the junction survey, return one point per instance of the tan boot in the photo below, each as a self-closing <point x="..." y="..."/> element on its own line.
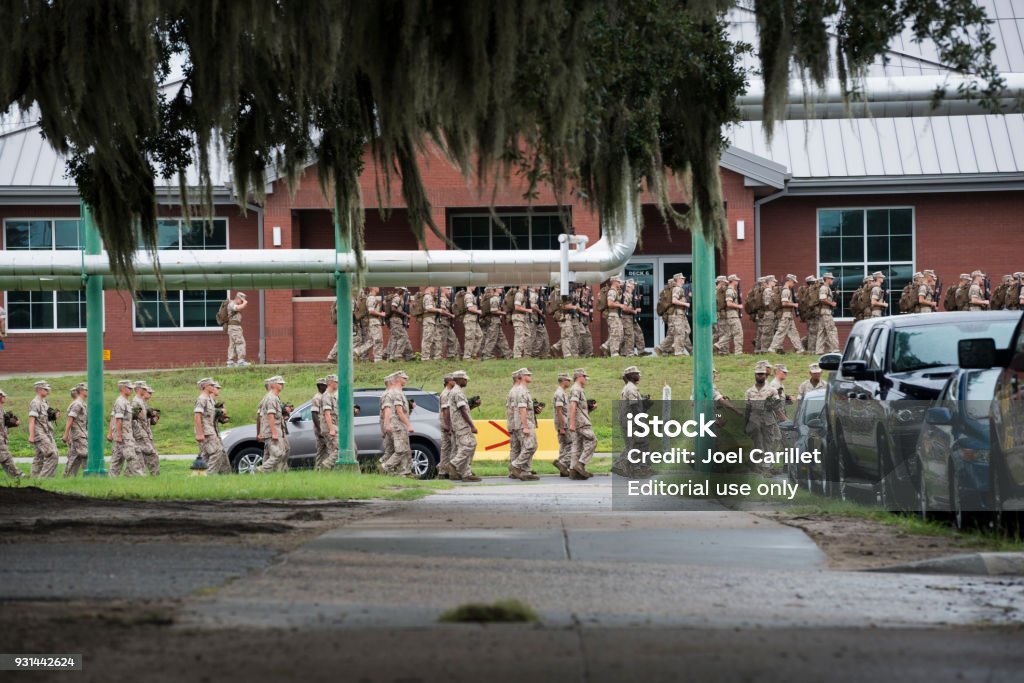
<point x="514" y="472"/>
<point x="471" y="477"/>
<point x="581" y="470"/>
<point x="563" y="471"/>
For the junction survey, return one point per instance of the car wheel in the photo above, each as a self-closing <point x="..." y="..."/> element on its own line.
<point x="249" y="460"/>
<point x="424" y="461"/>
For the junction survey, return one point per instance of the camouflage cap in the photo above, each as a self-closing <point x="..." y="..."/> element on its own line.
<point x="204" y="382"/>
<point x="761" y="279"/>
<point x="125" y="383"/>
<point x="814" y="368"/>
<point x="460" y="374"/>
<point x="810" y="278"/>
<point x="148" y="389"/>
<point x="781" y="367"/>
<point x="878" y="274"/>
<point x="401" y="375"/>
<point x="977" y="273"/>
<point x="241" y="295"/>
<point x="631" y="370"/>
<point x="791" y="277"/>
<point x="770" y="278"/>
<point x="1019" y="274"/>
<point x="1007" y="279"/>
<point x="828" y="275"/>
<point x="216" y="384"/>
<point x="928" y="272"/>
<point x="82" y="385"/>
<point x="918" y="275"/>
<point x="276" y="379"/>
<point x="333" y="378"/>
<point x="321" y="380"/>
<point x="579" y="372"/>
<point x="761" y="367"/>
<point x="447" y="377"/>
<point x="2" y="394"/>
<point x="963" y="276"/>
<point x="867" y="279"/>
<point x="714" y="371"/>
<point x="73" y="391"/>
<point x="734" y="278"/>
<point x="139" y="383"/>
<point x="41" y="384"/>
<point x="678" y="275"/>
<point x="564" y="376"/>
<point x="721" y="278"/>
<point x="615" y="278"/>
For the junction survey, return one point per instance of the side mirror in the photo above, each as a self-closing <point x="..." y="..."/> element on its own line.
<point x="976" y="354"/>
<point x="938" y="416"/>
<point x="816" y="423"/>
<point x="857" y="370"/>
<point x="787" y="426"/>
<point x="296" y="418"/>
<point x="830" y="361"/>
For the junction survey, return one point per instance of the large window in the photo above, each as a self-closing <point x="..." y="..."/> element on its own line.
<point x="853" y="243"/>
<point x="520" y="231"/>
<point x="183" y="309"/>
<point x="41" y="311"/>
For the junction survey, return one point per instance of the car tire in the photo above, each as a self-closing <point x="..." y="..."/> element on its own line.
<point x="248" y="460"/>
<point x="424" y="460"/>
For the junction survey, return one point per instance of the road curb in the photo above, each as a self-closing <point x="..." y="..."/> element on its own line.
<point x="973" y="564"/>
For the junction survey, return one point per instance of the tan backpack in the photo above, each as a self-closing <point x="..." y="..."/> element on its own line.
<point x="459" y="305"/>
<point x="416" y="305"/>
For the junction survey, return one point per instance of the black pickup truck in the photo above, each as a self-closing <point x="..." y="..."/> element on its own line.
<point x="879" y="389"/>
<point x="1006" y="419"/>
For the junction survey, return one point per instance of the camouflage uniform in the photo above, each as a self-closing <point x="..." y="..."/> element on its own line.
<point x="627" y="346"/>
<point x="813" y="320"/>
<point x="828" y="337"/>
<point x="614" y="342"/>
<point x="925" y="290"/>
<point x="494" y="335"/>
<point x="315" y="408"/>
<point x="447" y="341"/>
<point x="464" y="440"/>
<point x="540" y="346"/>
<point x="6" y="460"/>
<point x="584" y="442"/>
<point x="731" y="329"/>
<point x="399" y="347"/>
<point x="236" y="339"/>
<point x="275" y="456"/>
<point x="514" y="436"/>
<point x="768" y="321"/>
<point x="211" y="447"/>
<point x="527" y="442"/>
<point x="561" y="400"/>
<point x="522" y="334"/>
<point x="568" y="339"/>
<point x="78" y="438"/>
<point x="761" y="406"/>
<point x="142" y="431"/>
<point x="124" y="455"/>
<point x="975" y="292"/>
<point x="400" y="462"/>
<point x="446" y="434"/>
<point x="786" y="326"/>
<point x="877" y="295"/>
<point x="806" y="386"/>
<point x="678" y="339"/>
<point x="44" y="464"/>
<point x="328" y="404"/>
<point x="630" y="401"/>
<point x="429" y="343"/>
<point x="472" y="334"/>
<point x="374" y="330"/>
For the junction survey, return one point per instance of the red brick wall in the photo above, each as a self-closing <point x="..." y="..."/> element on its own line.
<point x="130" y="349"/>
<point x="954" y="232"/>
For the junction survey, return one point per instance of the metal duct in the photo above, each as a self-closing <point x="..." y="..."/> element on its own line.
<point x="882" y="97"/>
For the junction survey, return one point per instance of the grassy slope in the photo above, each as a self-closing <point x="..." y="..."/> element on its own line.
<point x="243" y="387"/>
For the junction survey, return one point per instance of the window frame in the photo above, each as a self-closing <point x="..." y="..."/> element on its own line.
<point x="52" y="220"/>
<point x="492" y="226"/>
<point x="136" y="328"/>
<point x="866" y="262"/>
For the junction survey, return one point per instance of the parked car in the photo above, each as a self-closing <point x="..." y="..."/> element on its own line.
<point x="246" y="452"/>
<point x="806" y="432"/>
<point x="891" y="370"/>
<point x="1006" y="420"/>
<point x="954" y="449"/>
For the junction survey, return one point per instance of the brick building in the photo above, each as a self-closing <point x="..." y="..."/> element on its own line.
<point x="891" y="194"/>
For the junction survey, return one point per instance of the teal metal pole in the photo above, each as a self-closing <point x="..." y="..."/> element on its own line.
<point x="703" y="322"/>
<point x="94" y="347"/>
<point x="346" y="376"/>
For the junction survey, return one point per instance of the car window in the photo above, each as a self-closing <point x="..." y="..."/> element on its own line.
<point x="875" y="350"/>
<point x="305" y="413"/>
<point x="981" y="387"/>
<point x="932" y="346"/>
<point x="812" y="408"/>
<point x="854" y="348"/>
<point x="369" y="406"/>
<point x="427" y="402"/>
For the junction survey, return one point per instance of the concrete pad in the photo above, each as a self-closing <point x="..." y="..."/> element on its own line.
<point x="505" y="543"/>
<point x="67" y="571"/>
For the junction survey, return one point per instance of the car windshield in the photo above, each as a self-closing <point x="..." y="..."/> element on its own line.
<point x="813" y="407"/>
<point x="932" y="346"/>
<point x="981" y="387"/>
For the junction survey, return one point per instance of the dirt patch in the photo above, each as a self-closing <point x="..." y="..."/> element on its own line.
<point x="853" y="543"/>
<point x="31" y="514"/>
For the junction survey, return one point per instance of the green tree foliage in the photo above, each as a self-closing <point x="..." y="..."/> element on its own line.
<point x="590" y="96"/>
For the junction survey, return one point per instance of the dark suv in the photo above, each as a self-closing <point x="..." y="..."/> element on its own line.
<point x="1006" y="418"/>
<point x="879" y="389"/>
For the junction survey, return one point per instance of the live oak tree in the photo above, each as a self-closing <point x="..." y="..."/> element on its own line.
<point x="589" y="96"/>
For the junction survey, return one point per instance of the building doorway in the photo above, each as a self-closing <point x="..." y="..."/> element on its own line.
<point x="651" y="274"/>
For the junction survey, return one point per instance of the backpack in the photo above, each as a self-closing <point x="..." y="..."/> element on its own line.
<point x="949" y="300"/>
<point x="999" y="298"/>
<point x="553" y="305"/>
<point x="416" y="305"/>
<point x="908" y="298"/>
<point x="857" y="304"/>
<point x="459" y="305"/>
<point x="963" y="297"/>
<point x="222" y="312"/>
<point x="720" y="298"/>
<point x="508" y="303"/>
<point x="601" y="303"/>
<point x="776" y="303"/>
<point x="808" y="301"/>
<point x="664" y="301"/>
<point x="1013" y="297"/>
<point x="485" y="305"/>
<point x="754" y="303"/>
<point x="360" y="310"/>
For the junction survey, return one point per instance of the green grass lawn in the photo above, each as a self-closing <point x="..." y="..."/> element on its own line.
<point x="176" y="390"/>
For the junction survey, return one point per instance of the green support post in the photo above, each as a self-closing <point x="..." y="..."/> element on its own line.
<point x="346" y="376"/>
<point x="703" y="321"/>
<point x="94" y="348"/>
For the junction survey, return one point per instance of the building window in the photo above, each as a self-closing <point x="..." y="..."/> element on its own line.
<point x="853" y="243"/>
<point x="521" y="231"/>
<point x="41" y="311"/>
<point x="190" y="309"/>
